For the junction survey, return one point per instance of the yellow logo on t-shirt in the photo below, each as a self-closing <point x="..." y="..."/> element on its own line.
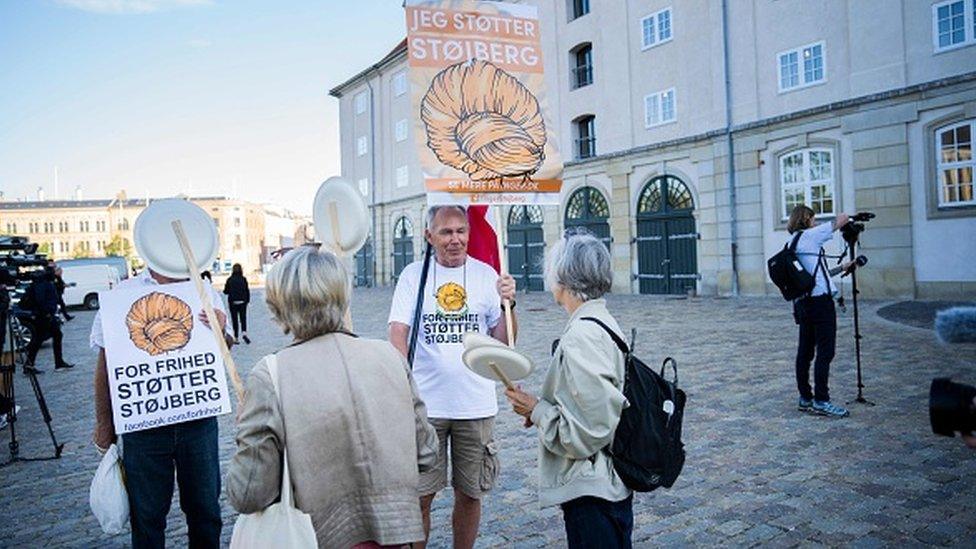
<point x="451" y="298"/>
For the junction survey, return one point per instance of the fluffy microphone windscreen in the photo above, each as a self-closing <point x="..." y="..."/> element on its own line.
<point x="956" y="325"/>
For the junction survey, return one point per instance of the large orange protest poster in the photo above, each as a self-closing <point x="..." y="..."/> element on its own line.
<point x="484" y="131"/>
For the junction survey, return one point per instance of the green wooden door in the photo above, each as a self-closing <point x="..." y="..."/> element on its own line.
<point x="667" y="242"/>
<point x="526" y="247"/>
<point x="402" y="245"/>
<point x="364" y="265"/>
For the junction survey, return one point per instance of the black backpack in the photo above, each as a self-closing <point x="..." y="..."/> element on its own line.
<point x="647" y="451"/>
<point x="788" y="274"/>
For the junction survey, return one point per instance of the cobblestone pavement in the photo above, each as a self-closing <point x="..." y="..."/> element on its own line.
<point x="758" y="472"/>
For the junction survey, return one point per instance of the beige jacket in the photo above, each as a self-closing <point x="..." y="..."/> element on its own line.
<point x="578" y="411"/>
<point x="357" y="436"/>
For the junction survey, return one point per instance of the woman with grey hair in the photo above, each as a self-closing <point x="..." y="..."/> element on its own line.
<point x="579" y="406"/>
<point x="347" y="410"/>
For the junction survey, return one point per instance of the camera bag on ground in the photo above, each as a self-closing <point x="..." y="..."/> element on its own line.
<point x="647" y="451"/>
<point x="788" y="274"/>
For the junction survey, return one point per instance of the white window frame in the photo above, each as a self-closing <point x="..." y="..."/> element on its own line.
<point x="969" y="25"/>
<point x="363" y="184"/>
<point x="399" y="83"/>
<point x="402" y="176"/>
<point x="806" y="183"/>
<point x="940" y="166"/>
<point x="362" y="145"/>
<point x="801" y="73"/>
<point x="659" y="98"/>
<point x="655" y="19"/>
<point x="402" y="129"/>
<point x="360" y="101"/>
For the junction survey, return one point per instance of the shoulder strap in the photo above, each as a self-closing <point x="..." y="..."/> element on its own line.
<point x="796" y="240"/>
<point x="286" y="495"/>
<point x="613" y="335"/>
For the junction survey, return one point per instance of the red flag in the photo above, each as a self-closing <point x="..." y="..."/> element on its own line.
<point x="482" y="241"/>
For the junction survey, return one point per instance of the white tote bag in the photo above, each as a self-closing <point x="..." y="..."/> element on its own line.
<point x="107" y="496"/>
<point x="281" y="524"/>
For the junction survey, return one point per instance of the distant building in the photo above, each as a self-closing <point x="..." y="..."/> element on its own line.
<point x="78" y="228"/>
<point x="845" y="105"/>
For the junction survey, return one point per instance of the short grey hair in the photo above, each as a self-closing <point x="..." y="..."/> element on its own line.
<point x="432" y="212"/>
<point x="308" y="292"/>
<point x="580" y="263"/>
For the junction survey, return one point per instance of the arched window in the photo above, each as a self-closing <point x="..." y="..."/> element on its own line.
<point x="581" y="65"/>
<point x="587" y="208"/>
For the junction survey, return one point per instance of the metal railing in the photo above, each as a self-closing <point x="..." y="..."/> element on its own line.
<point x="582" y="75"/>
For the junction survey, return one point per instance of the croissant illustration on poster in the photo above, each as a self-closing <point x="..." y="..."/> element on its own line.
<point x="159" y="323"/>
<point x="482" y="121"/>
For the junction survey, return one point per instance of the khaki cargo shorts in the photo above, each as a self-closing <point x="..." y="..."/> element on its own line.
<point x="474" y="457"/>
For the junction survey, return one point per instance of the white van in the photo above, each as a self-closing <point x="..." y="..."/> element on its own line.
<point x="85" y="281"/>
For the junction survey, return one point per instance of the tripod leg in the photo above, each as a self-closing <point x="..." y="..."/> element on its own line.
<point x="45" y="413"/>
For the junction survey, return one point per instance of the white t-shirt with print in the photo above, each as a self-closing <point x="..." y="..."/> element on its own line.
<point x="456" y="300"/>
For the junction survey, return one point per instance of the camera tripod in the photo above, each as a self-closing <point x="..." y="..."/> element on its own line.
<point x="857" y="261"/>
<point x="8" y="368"/>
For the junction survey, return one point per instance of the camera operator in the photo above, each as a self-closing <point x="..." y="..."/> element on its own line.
<point x="815" y="313"/>
<point x="7" y="283"/>
<point x="41" y="299"/>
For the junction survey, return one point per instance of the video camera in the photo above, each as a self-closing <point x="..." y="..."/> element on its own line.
<point x="951" y="405"/>
<point x="855" y="226"/>
<point x="19" y="259"/>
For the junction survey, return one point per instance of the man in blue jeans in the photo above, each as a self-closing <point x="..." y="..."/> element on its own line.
<point x="152" y="456"/>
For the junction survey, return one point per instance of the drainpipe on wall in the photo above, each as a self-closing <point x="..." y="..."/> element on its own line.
<point x="372" y="168"/>
<point x="728" y="138"/>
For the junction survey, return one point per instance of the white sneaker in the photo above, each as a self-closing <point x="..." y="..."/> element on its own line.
<point x="3" y="419"/>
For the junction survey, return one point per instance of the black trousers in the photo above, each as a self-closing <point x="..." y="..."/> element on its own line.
<point x="595" y="523"/>
<point x="818" y="338"/>
<point x="45" y="327"/>
<point x="238" y="314"/>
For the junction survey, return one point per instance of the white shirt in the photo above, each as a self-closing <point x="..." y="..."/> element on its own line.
<point x="456" y="300"/>
<point x="97" y="338"/>
<point x="808" y="251"/>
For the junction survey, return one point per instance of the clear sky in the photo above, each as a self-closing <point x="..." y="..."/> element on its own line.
<point x="162" y="96"/>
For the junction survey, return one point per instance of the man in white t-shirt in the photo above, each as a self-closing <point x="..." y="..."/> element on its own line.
<point x="461" y="295"/>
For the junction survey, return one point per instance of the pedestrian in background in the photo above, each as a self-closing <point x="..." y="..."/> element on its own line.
<point x="238" y="296"/>
<point x="60" y="285"/>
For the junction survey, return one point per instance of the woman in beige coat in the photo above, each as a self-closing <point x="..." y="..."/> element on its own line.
<point x="579" y="406"/>
<point x="356" y="431"/>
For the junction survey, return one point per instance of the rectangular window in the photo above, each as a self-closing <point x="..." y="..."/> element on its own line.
<point x="954" y="151"/>
<point x="579" y="8"/>
<point x="400" y="83"/>
<point x="656" y="29"/>
<point x="807" y="177"/>
<point x="360" y="102"/>
<point x="951" y="23"/>
<point x="401" y="129"/>
<point x="364" y="186"/>
<point x="813" y="70"/>
<point x="585" y="137"/>
<point x="659" y="108"/>
<point x="402" y="176"/>
<point x="362" y="145"/>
